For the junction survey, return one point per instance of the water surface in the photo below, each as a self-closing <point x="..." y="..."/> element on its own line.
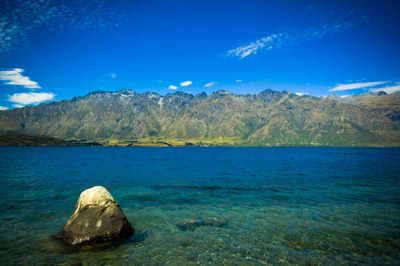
<point x="283" y="206"/>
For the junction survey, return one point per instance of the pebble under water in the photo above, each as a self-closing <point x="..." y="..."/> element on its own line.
<point x="217" y="206"/>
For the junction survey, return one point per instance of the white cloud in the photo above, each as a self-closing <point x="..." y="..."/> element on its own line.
<point x="15" y="77"/>
<point x="286" y="39"/>
<point x="30" y="97"/>
<point x="17" y="105"/>
<point x="185" y="83"/>
<point x="210" y="84"/>
<point x="388" y="90"/>
<point x="266" y="43"/>
<point x="110" y="75"/>
<point x="239" y="80"/>
<point x="172" y="87"/>
<point x="2" y="108"/>
<point x="357" y="85"/>
<point x="301" y="93"/>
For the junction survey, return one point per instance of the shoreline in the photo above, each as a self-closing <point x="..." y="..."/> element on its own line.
<point x="45" y="141"/>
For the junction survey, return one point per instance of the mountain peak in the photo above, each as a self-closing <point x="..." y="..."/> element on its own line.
<point x="126" y="91"/>
<point x="269" y="92"/>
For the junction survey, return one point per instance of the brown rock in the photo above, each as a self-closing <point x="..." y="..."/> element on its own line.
<point x="97" y="219"/>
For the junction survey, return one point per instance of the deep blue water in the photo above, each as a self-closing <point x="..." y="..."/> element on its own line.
<point x="284" y="206"/>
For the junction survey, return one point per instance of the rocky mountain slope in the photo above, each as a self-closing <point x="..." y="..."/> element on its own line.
<point x="268" y="118"/>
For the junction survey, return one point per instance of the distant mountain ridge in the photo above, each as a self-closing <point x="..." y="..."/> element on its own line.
<point x="269" y="118"/>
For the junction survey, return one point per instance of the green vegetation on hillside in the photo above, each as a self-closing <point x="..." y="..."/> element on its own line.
<point x="269" y="118"/>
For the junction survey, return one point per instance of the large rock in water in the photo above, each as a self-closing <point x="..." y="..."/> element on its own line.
<point x="97" y="219"/>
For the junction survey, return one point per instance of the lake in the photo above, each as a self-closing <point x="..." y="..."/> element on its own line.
<point x="284" y="206"/>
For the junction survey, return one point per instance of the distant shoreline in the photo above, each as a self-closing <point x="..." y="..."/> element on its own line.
<point x="45" y="141"/>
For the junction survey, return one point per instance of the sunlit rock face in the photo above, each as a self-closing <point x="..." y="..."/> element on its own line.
<point x="96" y="219"/>
<point x="269" y="118"/>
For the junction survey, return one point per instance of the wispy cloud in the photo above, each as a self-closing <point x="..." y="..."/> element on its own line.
<point x="266" y="43"/>
<point x="210" y="84"/>
<point x="186" y="83"/>
<point x="18" y="19"/>
<point x="110" y="75"/>
<point x="301" y="93"/>
<point x="286" y="38"/>
<point x="30" y="98"/>
<point x="172" y="87"/>
<point x="239" y="80"/>
<point x="357" y="85"/>
<point x="388" y="90"/>
<point x="17" y="105"/>
<point x="15" y="77"/>
<point x="2" y="108"/>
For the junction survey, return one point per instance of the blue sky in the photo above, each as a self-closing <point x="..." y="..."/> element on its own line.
<point x="56" y="50"/>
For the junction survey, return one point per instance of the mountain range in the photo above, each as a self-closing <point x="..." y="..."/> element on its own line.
<point x="269" y="118"/>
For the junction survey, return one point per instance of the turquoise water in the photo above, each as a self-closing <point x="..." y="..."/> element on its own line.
<point x="330" y="206"/>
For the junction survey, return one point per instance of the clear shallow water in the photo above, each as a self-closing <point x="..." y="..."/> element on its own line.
<point x="283" y="206"/>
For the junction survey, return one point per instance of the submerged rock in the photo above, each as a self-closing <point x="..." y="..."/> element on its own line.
<point x="97" y="219"/>
<point x="191" y="224"/>
<point x="188" y="224"/>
